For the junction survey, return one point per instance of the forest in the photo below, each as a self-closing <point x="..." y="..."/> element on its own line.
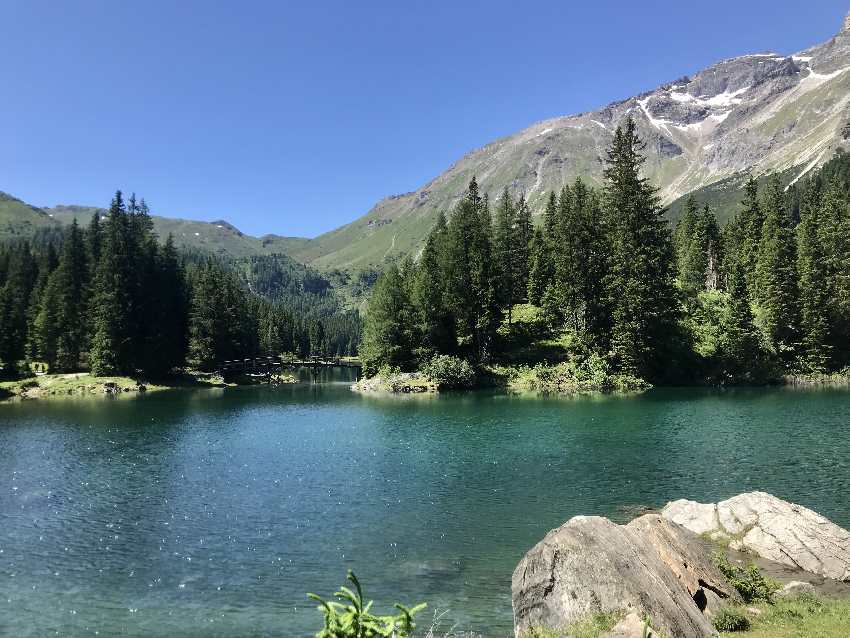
<point x="764" y="297"/>
<point x="111" y="298"/>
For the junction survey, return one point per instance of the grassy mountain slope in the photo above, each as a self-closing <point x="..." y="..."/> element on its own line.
<point x="19" y="220"/>
<point x="217" y="237"/>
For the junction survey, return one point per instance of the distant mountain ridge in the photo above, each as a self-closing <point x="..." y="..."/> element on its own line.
<point x="19" y="220"/>
<point x="762" y="112"/>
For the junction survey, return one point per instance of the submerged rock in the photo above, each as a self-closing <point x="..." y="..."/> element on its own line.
<point x="774" y="529"/>
<point x="651" y="567"/>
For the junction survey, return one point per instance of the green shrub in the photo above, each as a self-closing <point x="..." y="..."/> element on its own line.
<point x="731" y="619"/>
<point x="749" y="581"/>
<point x="449" y="372"/>
<point x="353" y="619"/>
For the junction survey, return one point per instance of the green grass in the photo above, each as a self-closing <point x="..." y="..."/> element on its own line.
<point x="590" y="627"/>
<point x="20" y="220"/>
<point x="84" y="384"/>
<point x="77" y="384"/>
<point x="803" y="617"/>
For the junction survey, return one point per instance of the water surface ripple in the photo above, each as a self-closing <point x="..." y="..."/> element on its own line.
<point x="212" y="513"/>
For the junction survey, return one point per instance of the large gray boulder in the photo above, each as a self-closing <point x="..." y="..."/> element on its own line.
<point x="774" y="529"/>
<point x="650" y="567"/>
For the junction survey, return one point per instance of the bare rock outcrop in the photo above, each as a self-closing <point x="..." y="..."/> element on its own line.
<point x="774" y="529"/>
<point x="651" y="567"/>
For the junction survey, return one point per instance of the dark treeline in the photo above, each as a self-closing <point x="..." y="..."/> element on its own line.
<point x="113" y="299"/>
<point x="306" y="295"/>
<point x="767" y="295"/>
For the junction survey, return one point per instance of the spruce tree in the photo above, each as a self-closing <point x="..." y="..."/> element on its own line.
<point x="167" y="327"/>
<point x="540" y="268"/>
<point x="46" y="264"/>
<point x="111" y="344"/>
<point x="387" y="338"/>
<point x="751" y="223"/>
<point x="814" y="291"/>
<point x="435" y="329"/>
<point x="470" y="293"/>
<point x="561" y="299"/>
<point x="593" y="263"/>
<point x="17" y="289"/>
<point x="641" y="278"/>
<point x="684" y="233"/>
<point x="523" y="232"/>
<point x="70" y="282"/>
<point x="834" y="235"/>
<point x="504" y="252"/>
<point x="698" y="242"/>
<point x="776" y="274"/>
<point x="742" y="358"/>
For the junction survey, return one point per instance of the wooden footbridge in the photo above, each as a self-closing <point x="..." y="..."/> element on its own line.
<point x="267" y="365"/>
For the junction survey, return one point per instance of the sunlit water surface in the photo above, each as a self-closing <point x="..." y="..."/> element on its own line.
<point x="212" y="513"/>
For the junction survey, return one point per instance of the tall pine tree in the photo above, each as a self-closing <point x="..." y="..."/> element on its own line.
<point x="641" y="277"/>
<point x="776" y="274"/>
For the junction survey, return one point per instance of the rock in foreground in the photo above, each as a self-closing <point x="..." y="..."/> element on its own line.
<point x="774" y="529"/>
<point x="590" y="565"/>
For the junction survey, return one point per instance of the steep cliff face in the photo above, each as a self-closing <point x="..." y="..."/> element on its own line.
<point x="760" y="112"/>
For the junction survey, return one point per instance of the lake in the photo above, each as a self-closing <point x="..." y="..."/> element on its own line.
<point x="213" y="512"/>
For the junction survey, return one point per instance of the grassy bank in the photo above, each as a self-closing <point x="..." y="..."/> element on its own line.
<point x="81" y="384"/>
<point x="806" y="616"/>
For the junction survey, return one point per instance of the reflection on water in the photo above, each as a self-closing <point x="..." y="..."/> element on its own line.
<point x="211" y="513"/>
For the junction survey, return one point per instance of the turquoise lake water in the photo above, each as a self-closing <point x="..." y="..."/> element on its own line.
<point x="212" y="513"/>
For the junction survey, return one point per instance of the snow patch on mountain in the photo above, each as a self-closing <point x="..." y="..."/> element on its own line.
<point x="727" y="98"/>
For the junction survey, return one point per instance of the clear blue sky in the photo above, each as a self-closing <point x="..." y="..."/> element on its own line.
<point x="296" y="117"/>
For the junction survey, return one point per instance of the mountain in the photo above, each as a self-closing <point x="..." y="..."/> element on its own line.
<point x="217" y="237"/>
<point x="18" y="219"/>
<point x="704" y="133"/>
<point x="761" y="112"/>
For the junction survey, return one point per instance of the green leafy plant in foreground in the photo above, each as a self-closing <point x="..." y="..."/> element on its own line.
<point x="353" y="619"/>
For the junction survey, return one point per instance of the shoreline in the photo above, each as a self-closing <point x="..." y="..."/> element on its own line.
<point x="526" y="380"/>
<point x="83" y="384"/>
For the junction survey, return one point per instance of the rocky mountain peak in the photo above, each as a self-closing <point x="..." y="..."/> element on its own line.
<point x="762" y="112"/>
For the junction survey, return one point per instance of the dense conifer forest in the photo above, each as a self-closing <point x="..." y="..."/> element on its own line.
<point x="766" y="296"/>
<point x="113" y="299"/>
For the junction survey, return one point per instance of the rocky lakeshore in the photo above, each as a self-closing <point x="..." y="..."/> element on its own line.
<point x="398" y="383"/>
<point x="675" y="573"/>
